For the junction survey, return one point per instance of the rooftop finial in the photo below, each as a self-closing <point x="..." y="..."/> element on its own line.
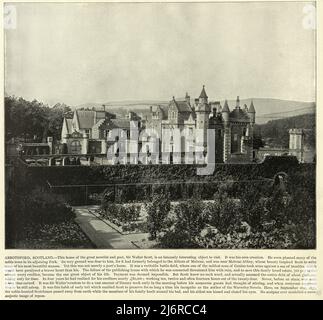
<point x="238" y="102"/>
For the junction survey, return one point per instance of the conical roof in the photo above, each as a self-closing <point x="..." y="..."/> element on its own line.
<point x="225" y="107"/>
<point x="203" y="93"/>
<point x="251" y="108"/>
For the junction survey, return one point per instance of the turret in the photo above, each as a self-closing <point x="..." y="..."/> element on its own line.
<point x="202" y="118"/>
<point x="238" y="103"/>
<point x="203" y="105"/>
<point x="225" y="111"/>
<point x="296" y="143"/>
<point x="252" y="113"/>
<point x="203" y="97"/>
<point x="227" y="132"/>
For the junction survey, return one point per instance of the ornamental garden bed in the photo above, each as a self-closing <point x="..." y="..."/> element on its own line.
<point x="36" y="219"/>
<point x="62" y="235"/>
<point x="271" y="216"/>
<point x="130" y="218"/>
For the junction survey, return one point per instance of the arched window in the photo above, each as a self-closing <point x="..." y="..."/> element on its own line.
<point x="76" y="146"/>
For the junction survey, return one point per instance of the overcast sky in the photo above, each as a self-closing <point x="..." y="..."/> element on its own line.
<point x="78" y="53"/>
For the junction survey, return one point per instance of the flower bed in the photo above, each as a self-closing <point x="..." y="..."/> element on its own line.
<point x="63" y="235"/>
<point x="125" y="218"/>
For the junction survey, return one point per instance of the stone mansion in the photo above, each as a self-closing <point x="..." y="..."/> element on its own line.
<point x="173" y="133"/>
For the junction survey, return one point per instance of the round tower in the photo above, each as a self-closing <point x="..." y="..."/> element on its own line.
<point x="202" y="111"/>
<point x="225" y="112"/>
<point x="227" y="132"/>
<point x="250" y="128"/>
<point x="202" y="124"/>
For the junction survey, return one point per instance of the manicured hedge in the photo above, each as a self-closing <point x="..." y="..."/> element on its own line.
<point x="143" y="176"/>
<point x="151" y="173"/>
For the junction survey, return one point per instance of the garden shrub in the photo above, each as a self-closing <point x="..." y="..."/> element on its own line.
<point x="128" y="213"/>
<point x="40" y="207"/>
<point x="252" y="205"/>
<point x="157" y="211"/>
<point x="276" y="206"/>
<point x="118" y="213"/>
<point x="265" y="218"/>
<point x="190" y="219"/>
<point x="223" y="213"/>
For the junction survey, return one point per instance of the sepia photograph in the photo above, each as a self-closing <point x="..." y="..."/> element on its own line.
<point x="176" y="125"/>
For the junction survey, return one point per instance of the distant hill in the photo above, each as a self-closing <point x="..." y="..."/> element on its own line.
<point x="275" y="132"/>
<point x="266" y="108"/>
<point x="121" y="108"/>
<point x="128" y="104"/>
<point x="270" y="109"/>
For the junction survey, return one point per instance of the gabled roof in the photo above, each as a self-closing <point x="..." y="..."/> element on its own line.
<point x="69" y="125"/>
<point x="119" y="123"/>
<point x="183" y="106"/>
<point x="187" y="115"/>
<point x="158" y="108"/>
<point x="100" y="123"/>
<point x="191" y="117"/>
<point x="85" y="118"/>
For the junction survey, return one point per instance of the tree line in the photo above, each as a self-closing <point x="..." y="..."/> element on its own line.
<point x="275" y="132"/>
<point x="33" y="120"/>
